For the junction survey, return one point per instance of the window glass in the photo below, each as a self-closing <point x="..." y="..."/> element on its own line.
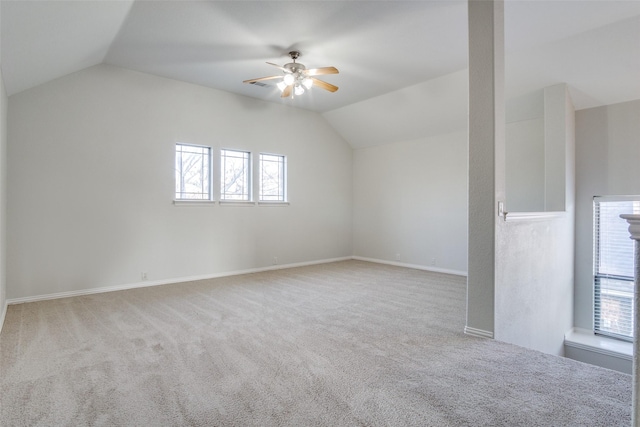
<point x="613" y="267"/>
<point x="236" y="175"/>
<point x="272" y="178"/>
<point x="193" y="172"/>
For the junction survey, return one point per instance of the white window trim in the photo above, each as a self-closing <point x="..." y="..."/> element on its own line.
<point x="215" y="181"/>
<point x="273" y="203"/>
<point x="600" y="333"/>
<point x="191" y="203"/>
<point x="195" y="201"/>
<point x="586" y="340"/>
<point x="285" y="188"/>
<point x="250" y="178"/>
<point x="237" y="203"/>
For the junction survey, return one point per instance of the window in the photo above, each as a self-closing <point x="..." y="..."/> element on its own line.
<point x="236" y="175"/>
<point x="193" y="172"/>
<point x="273" y="178"/>
<point x="613" y="266"/>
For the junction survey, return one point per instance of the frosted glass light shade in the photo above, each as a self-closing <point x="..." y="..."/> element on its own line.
<point x="289" y="79"/>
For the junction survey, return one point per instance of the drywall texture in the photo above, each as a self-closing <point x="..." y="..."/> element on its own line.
<point x="534" y="258"/>
<point x="607" y="153"/>
<point x="91" y="184"/>
<point x="410" y="202"/>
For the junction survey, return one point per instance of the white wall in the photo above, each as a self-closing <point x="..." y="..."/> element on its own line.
<point x="524" y="152"/>
<point x="3" y="199"/>
<point x="410" y="202"/>
<point x="525" y="166"/>
<point x="607" y="154"/>
<point x="534" y="258"/>
<point x="91" y="184"/>
<point x="431" y="108"/>
<point x="409" y="173"/>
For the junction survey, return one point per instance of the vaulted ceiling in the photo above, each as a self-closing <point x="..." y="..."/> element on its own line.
<point x="378" y="46"/>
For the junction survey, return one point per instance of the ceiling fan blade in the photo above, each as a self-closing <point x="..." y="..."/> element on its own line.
<point x="286" y="92"/>
<point x="277" y="66"/>
<point x="261" y="79"/>
<point x="324" y="85"/>
<point x="321" y="71"/>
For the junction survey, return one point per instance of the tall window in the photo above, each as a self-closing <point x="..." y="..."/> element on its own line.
<point x="613" y="266"/>
<point x="193" y="172"/>
<point x="236" y="175"/>
<point x="273" y="170"/>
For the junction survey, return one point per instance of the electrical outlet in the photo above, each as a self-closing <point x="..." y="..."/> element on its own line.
<point x="433" y="261"/>
<point x="143" y="275"/>
<point x="397" y="257"/>
<point x="275" y="260"/>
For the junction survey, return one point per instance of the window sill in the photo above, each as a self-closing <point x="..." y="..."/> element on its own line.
<point x="198" y="203"/>
<point x="237" y="203"/>
<point x="273" y="203"/>
<point x="586" y="340"/>
<point x="530" y="216"/>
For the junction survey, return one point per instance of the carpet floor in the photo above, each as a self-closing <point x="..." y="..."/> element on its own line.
<point x="341" y="344"/>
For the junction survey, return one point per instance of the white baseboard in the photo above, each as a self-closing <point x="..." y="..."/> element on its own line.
<point x="414" y="266"/>
<point x="146" y="284"/>
<point x="68" y="294"/>
<point x="478" y="332"/>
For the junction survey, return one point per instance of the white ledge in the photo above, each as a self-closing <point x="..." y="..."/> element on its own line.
<point x="532" y="216"/>
<point x="237" y="203"/>
<point x="267" y="203"/>
<point x="194" y="203"/>
<point x="586" y="340"/>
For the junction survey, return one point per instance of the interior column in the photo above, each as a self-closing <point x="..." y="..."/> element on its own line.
<point x="486" y="158"/>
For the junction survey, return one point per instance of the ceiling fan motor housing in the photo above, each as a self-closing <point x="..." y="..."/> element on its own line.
<point x="294" y="67"/>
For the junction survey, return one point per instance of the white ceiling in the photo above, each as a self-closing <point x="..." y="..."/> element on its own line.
<point x="378" y="46"/>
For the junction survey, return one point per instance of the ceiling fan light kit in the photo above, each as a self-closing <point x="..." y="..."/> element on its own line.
<point x="297" y="78"/>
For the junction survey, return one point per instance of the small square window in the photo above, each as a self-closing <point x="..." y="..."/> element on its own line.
<point x="273" y="178"/>
<point x="193" y="172"/>
<point x="236" y="175"/>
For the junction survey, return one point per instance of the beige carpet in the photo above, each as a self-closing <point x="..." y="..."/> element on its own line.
<point x="342" y="344"/>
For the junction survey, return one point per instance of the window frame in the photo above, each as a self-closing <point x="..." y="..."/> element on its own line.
<point x="282" y="187"/>
<point x="209" y="181"/>
<point x="604" y="283"/>
<point x="247" y="195"/>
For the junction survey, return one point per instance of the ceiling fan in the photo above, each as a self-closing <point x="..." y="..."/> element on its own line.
<point x="297" y="78"/>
